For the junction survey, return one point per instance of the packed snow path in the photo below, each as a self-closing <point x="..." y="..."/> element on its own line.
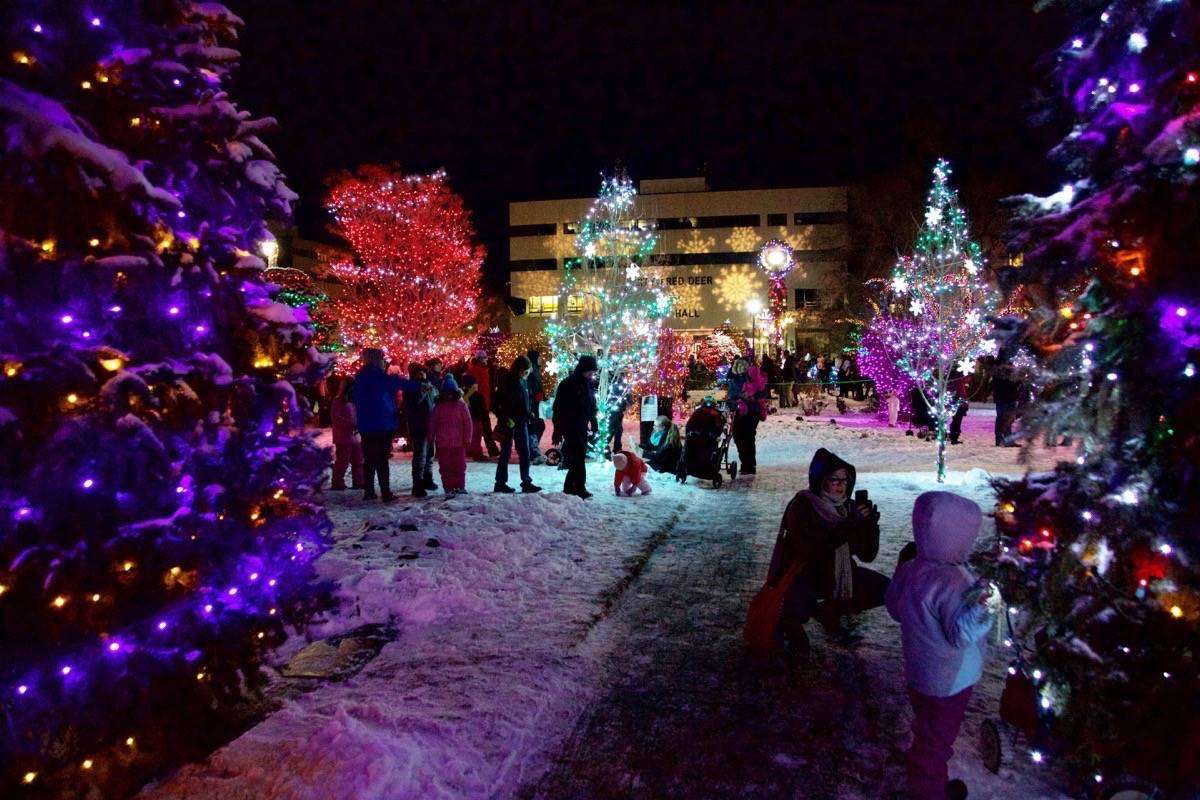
<point x="552" y="648"/>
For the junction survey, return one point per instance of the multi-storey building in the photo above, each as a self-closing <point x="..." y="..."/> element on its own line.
<point x="706" y="253"/>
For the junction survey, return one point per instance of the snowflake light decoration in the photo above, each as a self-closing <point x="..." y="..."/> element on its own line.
<point x="735" y="285"/>
<point x="743" y="240"/>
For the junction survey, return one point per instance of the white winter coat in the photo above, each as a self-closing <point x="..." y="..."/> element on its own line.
<point x="935" y="599"/>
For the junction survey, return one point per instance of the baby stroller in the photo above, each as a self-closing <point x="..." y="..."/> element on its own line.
<point x="1020" y="719"/>
<point x="706" y="446"/>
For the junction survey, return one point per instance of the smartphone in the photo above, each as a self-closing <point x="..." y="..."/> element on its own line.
<point x="860" y="496"/>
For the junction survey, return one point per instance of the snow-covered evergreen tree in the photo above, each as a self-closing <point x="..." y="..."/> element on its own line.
<point x="157" y="524"/>
<point x="1103" y="555"/>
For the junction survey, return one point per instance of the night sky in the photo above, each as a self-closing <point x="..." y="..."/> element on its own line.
<point x="523" y="100"/>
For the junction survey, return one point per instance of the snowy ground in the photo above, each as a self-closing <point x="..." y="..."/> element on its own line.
<point x="552" y="648"/>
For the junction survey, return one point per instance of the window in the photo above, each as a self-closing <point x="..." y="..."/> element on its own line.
<point x="777" y="219"/>
<point x="574" y="303"/>
<point x="730" y="221"/>
<point x="548" y="229"/>
<point x="808" y="299"/>
<point x="542" y="305"/>
<point x="570" y="228"/>
<point x="821" y="218"/>
<point x="689" y="259"/>
<point x="532" y="264"/>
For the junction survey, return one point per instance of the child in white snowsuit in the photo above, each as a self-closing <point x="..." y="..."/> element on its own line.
<point x="630" y="475"/>
<point x="944" y="614"/>
<point x="893" y="407"/>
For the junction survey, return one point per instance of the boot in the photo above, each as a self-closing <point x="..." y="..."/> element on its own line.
<point x="503" y="488"/>
<point x="529" y="487"/>
<point x="429" y="484"/>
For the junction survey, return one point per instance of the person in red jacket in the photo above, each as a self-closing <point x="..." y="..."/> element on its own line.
<point x="478" y="369"/>
<point x="630" y="475"/>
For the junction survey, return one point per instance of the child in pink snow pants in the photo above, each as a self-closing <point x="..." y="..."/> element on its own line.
<point x="347" y="444"/>
<point x="450" y="430"/>
<point x="944" y="614"/>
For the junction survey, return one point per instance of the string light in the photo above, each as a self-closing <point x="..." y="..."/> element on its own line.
<point x="415" y="282"/>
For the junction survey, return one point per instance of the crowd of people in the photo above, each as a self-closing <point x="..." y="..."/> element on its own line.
<point x="482" y="411"/>
<point x="828" y="531"/>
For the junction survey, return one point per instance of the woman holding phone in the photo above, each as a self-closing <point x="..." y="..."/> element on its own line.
<point x="822" y="533"/>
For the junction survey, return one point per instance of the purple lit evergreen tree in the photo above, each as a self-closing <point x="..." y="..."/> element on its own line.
<point x="157" y="526"/>
<point x="1103" y="554"/>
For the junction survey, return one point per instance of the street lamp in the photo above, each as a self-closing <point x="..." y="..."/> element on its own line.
<point x="270" y="251"/>
<point x="755" y="307"/>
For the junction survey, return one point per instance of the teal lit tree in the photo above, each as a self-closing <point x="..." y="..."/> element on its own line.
<point x="606" y="307"/>
<point x="933" y="317"/>
<point x="159" y="496"/>
<point x="1102" y="555"/>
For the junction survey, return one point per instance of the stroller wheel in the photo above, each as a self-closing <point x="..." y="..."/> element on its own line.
<point x="717" y="481"/>
<point x="990" y="748"/>
<point x="732" y="470"/>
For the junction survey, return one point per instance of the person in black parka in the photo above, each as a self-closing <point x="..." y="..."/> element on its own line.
<point x="574" y="414"/>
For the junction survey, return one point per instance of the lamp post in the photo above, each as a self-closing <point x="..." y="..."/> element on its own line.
<point x="755" y="307"/>
<point x="776" y="259"/>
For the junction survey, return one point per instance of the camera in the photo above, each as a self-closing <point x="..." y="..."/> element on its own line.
<point x="860" y="496"/>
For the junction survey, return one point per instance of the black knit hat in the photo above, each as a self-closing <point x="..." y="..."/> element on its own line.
<point x="587" y="364"/>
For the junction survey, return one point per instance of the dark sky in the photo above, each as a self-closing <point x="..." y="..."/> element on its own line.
<point x="521" y="100"/>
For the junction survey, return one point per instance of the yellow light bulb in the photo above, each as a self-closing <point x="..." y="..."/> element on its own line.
<point x="30" y="777"/>
<point x="48" y="246"/>
<point x="278" y="493"/>
<point x="10" y="371"/>
<point x="261" y="634"/>
<point x="3" y="588"/>
<point x="128" y="565"/>
<point x="87" y="763"/>
<point x="59" y="601"/>
<point x="102" y="77"/>
<point x="1176" y="612"/>
<point x="194" y="243"/>
<point x="175" y="570"/>
<point x="72" y="398"/>
<point x="254" y="515"/>
<point x="111" y="364"/>
<point x="129" y="741"/>
<point x="199" y="676"/>
<point x="136" y="121"/>
<point x="21" y="57"/>
<point x="95" y="598"/>
<point x="93" y="242"/>
<point x="86" y="85"/>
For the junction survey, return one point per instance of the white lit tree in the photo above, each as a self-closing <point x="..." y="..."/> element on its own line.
<point x="605" y="307"/>
<point x="934" y="315"/>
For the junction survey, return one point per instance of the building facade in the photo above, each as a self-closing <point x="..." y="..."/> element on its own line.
<point x="706" y="254"/>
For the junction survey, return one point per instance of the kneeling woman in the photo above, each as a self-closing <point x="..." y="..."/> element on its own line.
<point x="822" y="533"/>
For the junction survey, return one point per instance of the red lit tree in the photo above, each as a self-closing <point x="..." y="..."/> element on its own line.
<point x="671" y="370"/>
<point x="414" y="280"/>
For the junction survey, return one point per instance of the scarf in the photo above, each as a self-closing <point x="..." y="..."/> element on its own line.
<point x="843" y="566"/>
